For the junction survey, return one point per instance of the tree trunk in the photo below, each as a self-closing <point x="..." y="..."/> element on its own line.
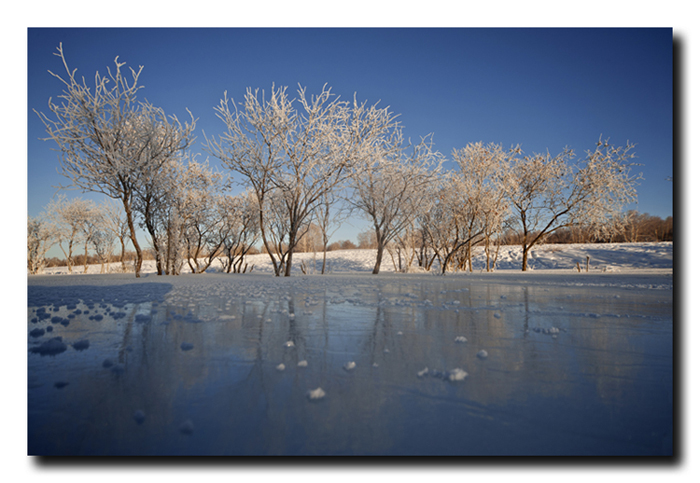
<point x="132" y="234"/>
<point x="323" y="266"/>
<point x="85" y="264"/>
<point x="495" y="256"/>
<point x="381" y="242"/>
<point x="266" y="244"/>
<point x="288" y="265"/>
<point x="292" y="246"/>
<point x="525" y="250"/>
<point x="69" y="257"/>
<point x="121" y="258"/>
<point x="378" y="263"/>
<point x="156" y="250"/>
<point x="487" y="253"/>
<point x="469" y="253"/>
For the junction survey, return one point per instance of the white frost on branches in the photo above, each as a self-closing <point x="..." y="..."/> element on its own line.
<point x="548" y="192"/>
<point x="108" y="139"/>
<point x="291" y="153"/>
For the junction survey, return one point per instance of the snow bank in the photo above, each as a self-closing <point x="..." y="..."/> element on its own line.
<point x="609" y="257"/>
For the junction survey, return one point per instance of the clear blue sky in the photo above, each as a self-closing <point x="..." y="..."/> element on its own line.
<point x="540" y="88"/>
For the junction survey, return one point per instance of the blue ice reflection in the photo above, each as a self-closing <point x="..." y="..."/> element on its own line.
<point x="193" y="366"/>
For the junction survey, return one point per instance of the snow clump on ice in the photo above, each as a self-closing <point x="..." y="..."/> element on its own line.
<point x="457" y="374"/>
<point x="349" y="366"/>
<point x="460" y="339"/>
<point x="317" y="393"/>
<point x="482" y="354"/>
<point x="422" y="373"/>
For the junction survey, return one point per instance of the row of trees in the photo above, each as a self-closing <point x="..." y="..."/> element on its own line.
<point x="74" y="225"/>
<point x="309" y="161"/>
<point x="199" y="226"/>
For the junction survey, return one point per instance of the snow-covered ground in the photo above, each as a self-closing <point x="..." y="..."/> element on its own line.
<point x="603" y="257"/>
<point x="550" y="361"/>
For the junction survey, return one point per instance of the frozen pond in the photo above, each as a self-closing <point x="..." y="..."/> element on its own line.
<point x="480" y="364"/>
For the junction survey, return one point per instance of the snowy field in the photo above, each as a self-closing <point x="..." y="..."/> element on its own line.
<point x="547" y="362"/>
<point x="603" y="257"/>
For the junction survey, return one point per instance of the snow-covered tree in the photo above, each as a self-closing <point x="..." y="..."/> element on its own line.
<point x="94" y="234"/>
<point x="41" y="236"/>
<point x="102" y="239"/>
<point x="548" y="192"/>
<point x="108" y="139"/>
<point x="300" y="149"/>
<point x="240" y="215"/>
<point x="391" y="188"/>
<point x="115" y="223"/>
<point x="329" y="217"/>
<point x="204" y="228"/>
<point x="70" y="217"/>
<point x="156" y="198"/>
<point x="469" y="207"/>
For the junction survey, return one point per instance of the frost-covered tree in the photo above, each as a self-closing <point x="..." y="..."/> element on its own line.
<point x="93" y="233"/>
<point x="329" y="217"/>
<point x="157" y="196"/>
<point x="115" y="223"/>
<point x="204" y="228"/>
<point x="439" y="226"/>
<point x="494" y="219"/>
<point x="240" y="215"/>
<point x="102" y="239"/>
<point x="41" y="236"/>
<point x="108" y="139"/>
<point x="391" y="187"/>
<point x="70" y="217"/>
<point x="548" y="192"/>
<point x="299" y="149"/>
<point x="470" y="204"/>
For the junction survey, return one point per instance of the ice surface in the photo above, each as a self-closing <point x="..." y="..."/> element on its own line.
<point x="187" y="427"/>
<point x="139" y="416"/>
<point x="603" y="386"/>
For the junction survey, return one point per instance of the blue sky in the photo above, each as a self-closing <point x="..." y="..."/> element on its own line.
<point x="540" y="88"/>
